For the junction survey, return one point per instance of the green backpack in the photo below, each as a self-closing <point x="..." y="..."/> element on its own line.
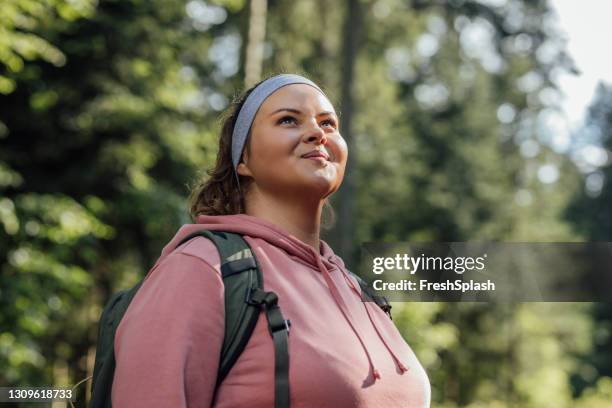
<point x="244" y="300"/>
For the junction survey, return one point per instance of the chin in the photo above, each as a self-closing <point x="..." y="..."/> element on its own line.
<point x="318" y="183"/>
<point x="320" y="186"/>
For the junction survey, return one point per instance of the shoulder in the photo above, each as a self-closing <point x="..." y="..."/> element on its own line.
<point x="201" y="250"/>
<point x="195" y="260"/>
<point x="170" y="288"/>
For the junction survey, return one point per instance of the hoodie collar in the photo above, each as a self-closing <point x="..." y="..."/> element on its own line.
<point x="258" y="228"/>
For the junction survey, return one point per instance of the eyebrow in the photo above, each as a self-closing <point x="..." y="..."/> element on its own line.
<point x="299" y="112"/>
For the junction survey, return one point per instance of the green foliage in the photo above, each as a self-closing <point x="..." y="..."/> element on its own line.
<point x="23" y="25"/>
<point x="598" y="397"/>
<point x="590" y="213"/>
<point x="98" y="149"/>
<point x="110" y="110"/>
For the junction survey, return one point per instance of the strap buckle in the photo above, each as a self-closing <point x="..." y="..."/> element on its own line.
<point x="277" y="323"/>
<point x="286" y="326"/>
<point x="269" y="300"/>
<point x="258" y="297"/>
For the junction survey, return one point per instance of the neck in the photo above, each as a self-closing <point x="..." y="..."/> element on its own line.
<point x="297" y="216"/>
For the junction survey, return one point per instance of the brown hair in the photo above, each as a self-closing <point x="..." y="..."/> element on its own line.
<point x="218" y="193"/>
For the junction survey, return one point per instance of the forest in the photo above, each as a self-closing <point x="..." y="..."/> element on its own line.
<point x="110" y="113"/>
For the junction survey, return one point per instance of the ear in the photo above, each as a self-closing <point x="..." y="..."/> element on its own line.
<point x="243" y="170"/>
<point x="243" y="167"/>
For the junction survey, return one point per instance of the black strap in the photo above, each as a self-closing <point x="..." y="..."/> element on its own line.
<point x="279" y="330"/>
<point x="230" y="268"/>
<point x="383" y="303"/>
<point x="241" y="275"/>
<point x="368" y="295"/>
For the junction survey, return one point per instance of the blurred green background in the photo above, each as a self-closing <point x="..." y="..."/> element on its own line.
<point x="109" y="112"/>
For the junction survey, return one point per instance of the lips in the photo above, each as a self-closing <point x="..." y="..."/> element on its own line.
<point x="316" y="153"/>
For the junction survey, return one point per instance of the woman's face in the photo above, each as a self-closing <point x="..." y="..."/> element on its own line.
<point x="295" y="147"/>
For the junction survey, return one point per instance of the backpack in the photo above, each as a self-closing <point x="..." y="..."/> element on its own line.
<point x="244" y="300"/>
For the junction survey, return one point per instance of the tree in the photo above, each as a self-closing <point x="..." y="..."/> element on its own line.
<point x="447" y="94"/>
<point x="442" y="104"/>
<point x="95" y="161"/>
<point x="590" y="212"/>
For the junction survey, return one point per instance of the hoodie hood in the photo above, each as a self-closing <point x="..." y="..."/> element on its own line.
<point x="258" y="228"/>
<point x="322" y="261"/>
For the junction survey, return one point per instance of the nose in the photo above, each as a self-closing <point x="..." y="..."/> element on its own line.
<point x="315" y="134"/>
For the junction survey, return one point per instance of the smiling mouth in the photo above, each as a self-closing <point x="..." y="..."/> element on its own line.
<point x="316" y="154"/>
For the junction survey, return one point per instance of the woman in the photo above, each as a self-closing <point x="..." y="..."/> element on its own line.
<point x="280" y="157"/>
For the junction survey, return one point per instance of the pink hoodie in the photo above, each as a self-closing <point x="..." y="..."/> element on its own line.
<point x="343" y="352"/>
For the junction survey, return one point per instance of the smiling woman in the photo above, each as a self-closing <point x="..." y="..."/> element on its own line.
<point x="280" y="157"/>
<point x="277" y="124"/>
<point x="294" y="161"/>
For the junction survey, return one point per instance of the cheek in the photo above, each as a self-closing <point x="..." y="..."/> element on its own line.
<point x="270" y="153"/>
<point x="340" y="150"/>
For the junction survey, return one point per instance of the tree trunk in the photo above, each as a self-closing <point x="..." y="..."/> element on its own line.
<point x="257" y="34"/>
<point x="345" y="197"/>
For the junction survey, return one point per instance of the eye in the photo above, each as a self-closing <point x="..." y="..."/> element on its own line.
<point x="286" y="119"/>
<point x="329" y="122"/>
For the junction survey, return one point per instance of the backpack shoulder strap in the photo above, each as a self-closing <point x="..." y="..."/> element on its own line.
<point x="244" y="300"/>
<point x="241" y="275"/>
<point x="369" y="295"/>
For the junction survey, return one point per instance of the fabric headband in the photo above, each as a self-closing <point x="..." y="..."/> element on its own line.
<point x="251" y="106"/>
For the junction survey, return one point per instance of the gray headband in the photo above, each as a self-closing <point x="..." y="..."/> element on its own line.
<point x="251" y="106"/>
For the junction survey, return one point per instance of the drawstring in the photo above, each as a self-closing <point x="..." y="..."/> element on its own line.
<point x="399" y="364"/>
<point x="336" y="295"/>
